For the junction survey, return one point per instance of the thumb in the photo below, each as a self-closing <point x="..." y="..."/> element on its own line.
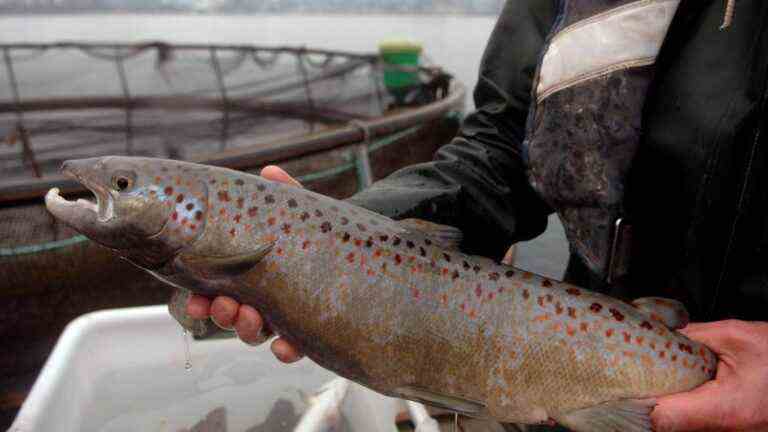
<point x="276" y="173"/>
<point x="692" y="410"/>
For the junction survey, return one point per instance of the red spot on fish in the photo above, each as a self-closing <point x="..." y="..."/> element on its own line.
<point x="280" y="251"/>
<point x="596" y="307"/>
<point x="618" y="316"/>
<point x="472" y="313"/>
<point x="559" y="308"/>
<point x="371" y="272"/>
<point x="361" y="227"/>
<point x="549" y="298"/>
<point x="573" y="291"/>
<point x="546" y="283"/>
<point x="584" y="327"/>
<point x="478" y="290"/>
<point x="190" y="206"/>
<point x="252" y="211"/>
<point x="192" y="227"/>
<point x="398" y="259"/>
<point x="240" y="202"/>
<point x="570" y="330"/>
<point x="444" y="298"/>
<point x="540" y="300"/>
<point x="703" y="368"/>
<point x="232" y="232"/>
<point x="571" y="312"/>
<point x="525" y="294"/>
<point x="184" y="221"/>
<point x="668" y="345"/>
<point x="377" y="253"/>
<point x="223" y="196"/>
<point x="627" y="337"/>
<point x="271" y="221"/>
<point x="674" y="357"/>
<point x="653" y="345"/>
<point x="286" y="228"/>
<point x="493" y="276"/>
<point x="351" y="257"/>
<point x="358" y="242"/>
<point x="662" y="354"/>
<point x="222" y="211"/>
<point x="415" y="293"/>
<point x="305" y="245"/>
<point x="646" y="325"/>
<point x="175" y="215"/>
<point x="639" y="340"/>
<point x="463" y="306"/>
<point x="344" y="220"/>
<point x="490" y="296"/>
<point x="168" y="190"/>
<point x="180" y="198"/>
<point x="609" y="333"/>
<point x="237" y="218"/>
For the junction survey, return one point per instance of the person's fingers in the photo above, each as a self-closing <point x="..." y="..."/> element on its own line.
<point x="198" y="307"/>
<point x="276" y="173"/>
<point x="223" y="312"/>
<point x="695" y="410"/>
<point x="250" y="326"/>
<point x="284" y="351"/>
<point x="723" y="337"/>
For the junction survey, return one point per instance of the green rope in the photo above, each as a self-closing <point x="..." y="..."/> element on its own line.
<point x="59" y="244"/>
<point x="42" y="247"/>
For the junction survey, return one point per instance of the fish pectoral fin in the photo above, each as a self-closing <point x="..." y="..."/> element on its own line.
<point x="628" y="415"/>
<point x="669" y="312"/>
<point x="177" y="307"/>
<point x="429" y="397"/>
<point x="224" y="266"/>
<point x="444" y="235"/>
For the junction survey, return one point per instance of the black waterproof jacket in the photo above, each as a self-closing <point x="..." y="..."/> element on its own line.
<point x="697" y="189"/>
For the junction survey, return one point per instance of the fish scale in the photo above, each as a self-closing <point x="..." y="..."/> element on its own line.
<point x="385" y="304"/>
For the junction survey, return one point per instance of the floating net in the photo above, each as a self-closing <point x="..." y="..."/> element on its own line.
<point x="71" y="100"/>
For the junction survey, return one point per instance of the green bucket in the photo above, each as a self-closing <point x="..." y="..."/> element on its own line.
<point x="400" y="53"/>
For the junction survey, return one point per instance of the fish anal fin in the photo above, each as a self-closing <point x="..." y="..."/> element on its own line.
<point x="224" y="266"/>
<point x="669" y="312"/>
<point x="628" y="415"/>
<point x="443" y="235"/>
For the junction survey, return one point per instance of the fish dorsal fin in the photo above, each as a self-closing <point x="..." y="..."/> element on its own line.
<point x="628" y="415"/>
<point x="224" y="266"/>
<point x="444" y="235"/>
<point x="669" y="312"/>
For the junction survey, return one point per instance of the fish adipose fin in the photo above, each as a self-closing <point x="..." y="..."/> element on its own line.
<point x="669" y="312"/>
<point x="225" y="266"/>
<point x="444" y="235"/>
<point x="629" y="415"/>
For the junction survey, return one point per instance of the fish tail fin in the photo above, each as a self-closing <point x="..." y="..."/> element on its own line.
<point x="628" y="415"/>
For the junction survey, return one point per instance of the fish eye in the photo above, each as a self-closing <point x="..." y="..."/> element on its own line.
<point x="121" y="183"/>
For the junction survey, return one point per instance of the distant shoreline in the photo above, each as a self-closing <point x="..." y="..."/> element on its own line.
<point x="18" y="13"/>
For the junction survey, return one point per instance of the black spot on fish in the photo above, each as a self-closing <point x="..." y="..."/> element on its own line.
<point x="476" y="268"/>
<point x="318" y="213"/>
<point x="455" y="275"/>
<point x="345" y="237"/>
<point x="325" y="227"/>
<point x="427" y="242"/>
<point x="269" y="199"/>
<point x="361" y="227"/>
<point x="422" y="251"/>
<point x="384" y="238"/>
<point x="239" y="182"/>
<point x="493" y="276"/>
<point x="261" y="188"/>
<point x="292" y="203"/>
<point x="396" y="241"/>
<point x="369" y="242"/>
<point x="465" y="265"/>
<point x="447" y="257"/>
<point x="509" y="273"/>
<point x="190" y="206"/>
<point x="344" y="220"/>
<point x="304" y="216"/>
<point x="409" y="244"/>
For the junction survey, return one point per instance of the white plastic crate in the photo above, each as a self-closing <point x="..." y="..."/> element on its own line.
<point x="124" y="370"/>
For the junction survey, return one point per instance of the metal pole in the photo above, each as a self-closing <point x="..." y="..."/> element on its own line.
<point x="223" y="92"/>
<point x="363" y="162"/>
<point x="305" y="75"/>
<point x="127" y="95"/>
<point x="26" y="145"/>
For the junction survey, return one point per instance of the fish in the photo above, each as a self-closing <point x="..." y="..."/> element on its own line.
<point x="324" y="413"/>
<point x="391" y="304"/>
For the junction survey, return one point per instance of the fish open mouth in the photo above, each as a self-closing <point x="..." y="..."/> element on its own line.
<point x="101" y="205"/>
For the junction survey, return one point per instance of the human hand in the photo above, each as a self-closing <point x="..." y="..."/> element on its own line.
<point x="737" y="399"/>
<point x="244" y="319"/>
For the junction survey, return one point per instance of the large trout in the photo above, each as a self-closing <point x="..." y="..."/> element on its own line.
<point x="391" y="305"/>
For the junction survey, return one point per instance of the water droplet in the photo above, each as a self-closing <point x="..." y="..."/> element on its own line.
<point x="187" y="352"/>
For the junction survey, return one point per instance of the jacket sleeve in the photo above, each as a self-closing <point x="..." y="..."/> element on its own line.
<point x="477" y="182"/>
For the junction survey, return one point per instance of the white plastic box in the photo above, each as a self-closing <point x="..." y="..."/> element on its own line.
<point x="124" y="370"/>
